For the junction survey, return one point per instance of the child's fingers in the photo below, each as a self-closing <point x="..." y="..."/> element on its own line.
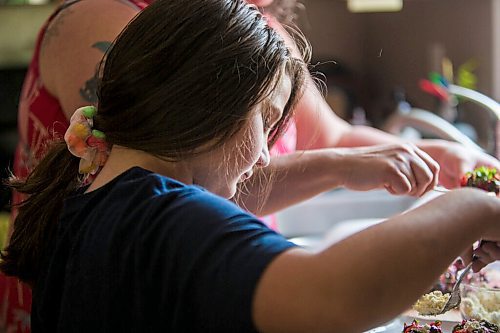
<point x="478" y="265"/>
<point x="490" y="249"/>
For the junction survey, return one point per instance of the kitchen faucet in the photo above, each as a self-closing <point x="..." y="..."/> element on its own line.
<point x="486" y="103"/>
<point x="431" y="123"/>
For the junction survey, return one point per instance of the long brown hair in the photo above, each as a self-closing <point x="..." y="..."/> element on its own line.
<point x="181" y="75"/>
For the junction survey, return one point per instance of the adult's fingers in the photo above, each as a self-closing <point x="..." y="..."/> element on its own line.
<point x="423" y="176"/>
<point x="422" y="168"/>
<point x="433" y="167"/>
<point x="400" y="181"/>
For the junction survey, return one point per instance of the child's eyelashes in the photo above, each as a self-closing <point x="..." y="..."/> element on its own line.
<point x="268" y="123"/>
<point x="270" y="118"/>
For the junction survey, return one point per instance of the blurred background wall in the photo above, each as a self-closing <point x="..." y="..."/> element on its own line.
<point x="384" y="53"/>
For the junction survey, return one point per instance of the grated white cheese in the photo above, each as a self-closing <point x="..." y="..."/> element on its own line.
<point x="432" y="303"/>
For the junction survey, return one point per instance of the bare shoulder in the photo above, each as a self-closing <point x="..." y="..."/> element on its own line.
<point x="87" y="20"/>
<point x="74" y="44"/>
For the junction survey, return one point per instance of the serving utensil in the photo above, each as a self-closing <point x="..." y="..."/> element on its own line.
<point x="455" y="297"/>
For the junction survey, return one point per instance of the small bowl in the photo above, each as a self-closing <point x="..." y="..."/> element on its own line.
<point x="480" y="302"/>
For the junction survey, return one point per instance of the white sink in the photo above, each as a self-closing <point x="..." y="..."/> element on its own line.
<point x="317" y="216"/>
<point x="335" y="215"/>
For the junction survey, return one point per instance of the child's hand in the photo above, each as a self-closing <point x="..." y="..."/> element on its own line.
<point x="486" y="253"/>
<point x="401" y="169"/>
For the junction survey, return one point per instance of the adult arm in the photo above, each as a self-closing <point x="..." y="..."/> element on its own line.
<point x="305" y="174"/>
<point x="400" y="169"/>
<point x="374" y="275"/>
<point x="74" y="45"/>
<point x="318" y="127"/>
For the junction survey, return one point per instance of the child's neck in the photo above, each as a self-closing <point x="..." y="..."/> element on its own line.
<point x="121" y="159"/>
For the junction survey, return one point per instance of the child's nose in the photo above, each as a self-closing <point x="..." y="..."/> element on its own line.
<point x="264" y="158"/>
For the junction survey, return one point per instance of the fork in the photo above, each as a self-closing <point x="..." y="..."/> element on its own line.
<point x="455" y="297"/>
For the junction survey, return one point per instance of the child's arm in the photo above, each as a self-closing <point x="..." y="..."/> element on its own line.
<point x="375" y="274"/>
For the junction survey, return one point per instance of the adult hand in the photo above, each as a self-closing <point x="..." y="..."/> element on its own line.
<point x="455" y="160"/>
<point x="399" y="168"/>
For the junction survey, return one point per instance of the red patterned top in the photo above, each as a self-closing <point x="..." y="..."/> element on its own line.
<point x="40" y="120"/>
<point x="40" y="117"/>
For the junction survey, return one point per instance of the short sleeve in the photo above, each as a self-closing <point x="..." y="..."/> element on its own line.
<point x="220" y="253"/>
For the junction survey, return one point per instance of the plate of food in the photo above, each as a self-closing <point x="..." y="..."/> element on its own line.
<point x="465" y="326"/>
<point x="446" y="320"/>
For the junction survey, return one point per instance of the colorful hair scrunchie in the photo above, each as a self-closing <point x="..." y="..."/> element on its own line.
<point x="87" y="143"/>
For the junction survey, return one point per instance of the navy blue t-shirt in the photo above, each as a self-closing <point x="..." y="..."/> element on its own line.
<point x="145" y="253"/>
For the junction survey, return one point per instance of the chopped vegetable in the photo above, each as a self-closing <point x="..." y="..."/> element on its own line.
<point x="415" y="327"/>
<point x="485" y="178"/>
<point x="474" y="326"/>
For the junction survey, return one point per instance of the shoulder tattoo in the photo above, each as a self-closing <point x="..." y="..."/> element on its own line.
<point x="54" y="26"/>
<point x="89" y="91"/>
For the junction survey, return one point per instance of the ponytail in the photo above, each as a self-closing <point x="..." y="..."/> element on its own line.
<point x="52" y="180"/>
